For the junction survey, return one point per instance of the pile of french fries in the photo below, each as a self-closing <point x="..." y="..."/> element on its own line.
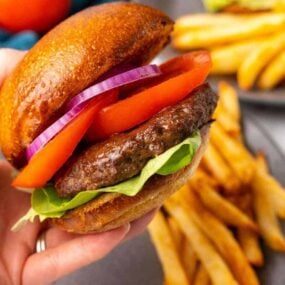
<point x="209" y="231"/>
<point x="249" y="45"/>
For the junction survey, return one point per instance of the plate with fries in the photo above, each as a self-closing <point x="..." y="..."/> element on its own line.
<point x="223" y="227"/>
<point x="215" y="222"/>
<point x="248" y="50"/>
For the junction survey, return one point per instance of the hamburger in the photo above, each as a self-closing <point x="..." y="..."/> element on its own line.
<point x="100" y="136"/>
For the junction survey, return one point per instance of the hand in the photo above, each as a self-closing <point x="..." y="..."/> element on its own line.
<point x="19" y="264"/>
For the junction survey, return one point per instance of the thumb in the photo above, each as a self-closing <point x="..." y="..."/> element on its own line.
<point x="9" y="58"/>
<point x="56" y="262"/>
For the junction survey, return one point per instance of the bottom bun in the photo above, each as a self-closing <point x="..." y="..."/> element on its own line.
<point x="112" y="210"/>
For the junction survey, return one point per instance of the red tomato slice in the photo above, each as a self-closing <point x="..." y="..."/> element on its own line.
<point x="180" y="76"/>
<point x="44" y="164"/>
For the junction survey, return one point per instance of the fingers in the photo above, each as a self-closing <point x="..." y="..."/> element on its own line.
<point x="9" y="58"/>
<point x="54" y="263"/>
<point x="138" y="226"/>
<point x="55" y="237"/>
<point x="5" y="172"/>
<point x="68" y="252"/>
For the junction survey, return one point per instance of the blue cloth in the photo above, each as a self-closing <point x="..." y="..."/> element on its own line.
<point x="26" y="39"/>
<point x="21" y="41"/>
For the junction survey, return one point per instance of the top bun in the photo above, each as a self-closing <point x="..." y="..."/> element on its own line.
<point x="70" y="58"/>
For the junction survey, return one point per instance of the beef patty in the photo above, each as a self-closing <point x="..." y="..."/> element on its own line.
<point x="123" y="155"/>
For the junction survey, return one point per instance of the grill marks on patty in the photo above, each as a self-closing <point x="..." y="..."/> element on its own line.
<point x="123" y="155"/>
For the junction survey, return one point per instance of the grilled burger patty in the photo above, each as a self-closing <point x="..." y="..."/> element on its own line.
<point x="123" y="155"/>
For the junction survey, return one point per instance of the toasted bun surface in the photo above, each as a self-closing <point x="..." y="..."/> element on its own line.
<point x="69" y="59"/>
<point x="112" y="210"/>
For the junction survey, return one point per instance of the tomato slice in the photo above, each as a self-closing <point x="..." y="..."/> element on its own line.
<point x="44" y="164"/>
<point x="180" y="76"/>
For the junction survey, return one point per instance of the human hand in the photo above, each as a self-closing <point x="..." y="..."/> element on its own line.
<point x="65" y="252"/>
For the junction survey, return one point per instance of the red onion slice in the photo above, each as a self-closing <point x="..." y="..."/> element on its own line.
<point x="116" y="81"/>
<point x="78" y="103"/>
<point x="52" y="131"/>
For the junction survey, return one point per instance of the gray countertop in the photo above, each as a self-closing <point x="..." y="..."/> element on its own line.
<point x="271" y="119"/>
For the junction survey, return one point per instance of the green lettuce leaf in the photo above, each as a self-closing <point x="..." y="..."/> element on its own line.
<point x="46" y="203"/>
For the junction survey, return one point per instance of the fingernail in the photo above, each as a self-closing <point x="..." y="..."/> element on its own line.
<point x="128" y="227"/>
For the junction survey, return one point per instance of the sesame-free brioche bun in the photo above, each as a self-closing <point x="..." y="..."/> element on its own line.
<point x="70" y="58"/>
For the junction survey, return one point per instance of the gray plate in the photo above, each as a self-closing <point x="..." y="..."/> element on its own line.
<point x="136" y="263"/>
<point x="180" y="7"/>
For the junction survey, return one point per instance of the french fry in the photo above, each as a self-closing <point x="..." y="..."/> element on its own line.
<point x="227" y="123"/>
<point x="165" y="246"/>
<point x="201" y="174"/>
<point x="279" y="6"/>
<point x="202" y="277"/>
<point x="243" y="199"/>
<point x="176" y="234"/>
<point x="223" y="209"/>
<point x="227" y="59"/>
<point x="265" y="212"/>
<point x="220" y="169"/>
<point x="274" y="190"/>
<point x="276" y="193"/>
<point x="230" y="125"/>
<point x="261" y="161"/>
<point x="273" y="73"/>
<point x="215" y="265"/>
<point x="207" y="37"/>
<point x="258" y="59"/>
<point x="189" y="260"/>
<point x="203" y="20"/>
<point x="234" y="152"/>
<point x="221" y="236"/>
<point x="229" y="99"/>
<point x="249" y="243"/>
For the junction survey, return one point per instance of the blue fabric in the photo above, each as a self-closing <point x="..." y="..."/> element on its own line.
<point x="26" y="39"/>
<point x="21" y="41"/>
